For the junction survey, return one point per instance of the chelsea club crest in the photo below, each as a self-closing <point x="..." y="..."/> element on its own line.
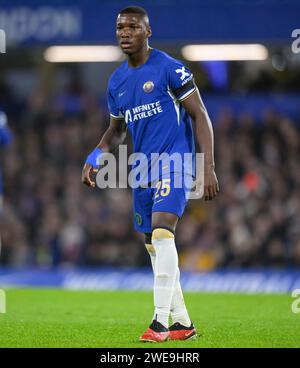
<point x="148" y="86"/>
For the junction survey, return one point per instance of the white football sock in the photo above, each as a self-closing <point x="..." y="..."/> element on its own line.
<point x="179" y="312"/>
<point x="178" y="309"/>
<point x="166" y="265"/>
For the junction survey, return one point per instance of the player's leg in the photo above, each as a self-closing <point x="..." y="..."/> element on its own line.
<point x="179" y="313"/>
<point x="165" y="263"/>
<point x="182" y="327"/>
<point x="150" y="248"/>
<point x="142" y="205"/>
<point x="178" y="309"/>
<point x="169" y="206"/>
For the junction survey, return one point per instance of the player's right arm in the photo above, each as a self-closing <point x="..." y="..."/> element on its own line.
<point x="112" y="138"/>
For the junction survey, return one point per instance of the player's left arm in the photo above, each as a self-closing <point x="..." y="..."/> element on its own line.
<point x="194" y="106"/>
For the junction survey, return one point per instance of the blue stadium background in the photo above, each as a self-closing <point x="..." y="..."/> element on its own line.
<point x="55" y="232"/>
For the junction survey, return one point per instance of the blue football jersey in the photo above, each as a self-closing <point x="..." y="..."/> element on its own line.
<point x="148" y="98"/>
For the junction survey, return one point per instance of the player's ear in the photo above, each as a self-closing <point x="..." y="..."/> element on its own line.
<point x="149" y="31"/>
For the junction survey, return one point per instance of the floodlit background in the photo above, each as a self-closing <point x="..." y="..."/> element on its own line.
<point x="247" y="66"/>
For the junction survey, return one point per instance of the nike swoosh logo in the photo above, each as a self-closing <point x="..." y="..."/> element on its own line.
<point x="121" y="94"/>
<point x="159" y="201"/>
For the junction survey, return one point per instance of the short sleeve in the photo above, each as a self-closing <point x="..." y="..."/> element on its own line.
<point x="181" y="80"/>
<point x="112" y="105"/>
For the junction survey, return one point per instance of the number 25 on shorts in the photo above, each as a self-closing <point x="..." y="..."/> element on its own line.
<point x="162" y="188"/>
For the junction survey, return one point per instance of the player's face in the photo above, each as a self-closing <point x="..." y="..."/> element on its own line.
<point x="132" y="33"/>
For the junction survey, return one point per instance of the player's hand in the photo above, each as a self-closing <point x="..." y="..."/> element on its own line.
<point x="211" y="185"/>
<point x="88" y="175"/>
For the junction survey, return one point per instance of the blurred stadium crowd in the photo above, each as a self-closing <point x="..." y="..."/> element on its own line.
<point x="51" y="219"/>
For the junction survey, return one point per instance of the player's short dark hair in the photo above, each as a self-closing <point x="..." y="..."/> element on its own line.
<point x="134" y="10"/>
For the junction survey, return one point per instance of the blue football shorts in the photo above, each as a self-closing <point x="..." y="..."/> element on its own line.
<point x="168" y="194"/>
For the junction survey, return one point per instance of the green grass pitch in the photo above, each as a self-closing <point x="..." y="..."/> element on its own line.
<point x="60" y="318"/>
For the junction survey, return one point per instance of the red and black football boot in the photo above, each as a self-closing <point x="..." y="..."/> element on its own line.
<point x="180" y="332"/>
<point x="155" y="333"/>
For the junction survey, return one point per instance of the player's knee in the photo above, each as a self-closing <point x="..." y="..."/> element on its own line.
<point x="164" y="220"/>
<point x="162" y="233"/>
